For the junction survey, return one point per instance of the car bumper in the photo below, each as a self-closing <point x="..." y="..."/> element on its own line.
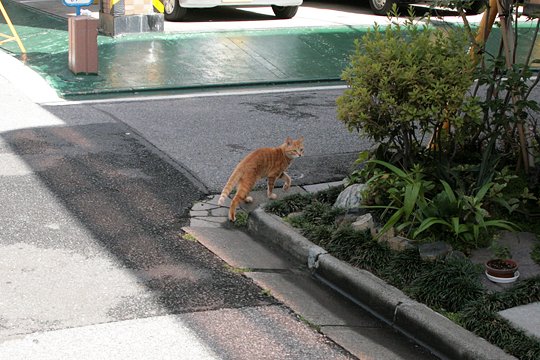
<point x="239" y="3"/>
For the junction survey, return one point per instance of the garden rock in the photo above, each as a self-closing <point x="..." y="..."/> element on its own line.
<point x="364" y="222"/>
<point x="351" y="197"/>
<point x="434" y="251"/>
<point x="399" y="243"/>
<point x="294" y="215"/>
<point x="348" y="218"/>
<point x="456" y="254"/>
<point x="384" y="237"/>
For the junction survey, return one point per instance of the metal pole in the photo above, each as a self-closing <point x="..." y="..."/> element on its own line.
<point x="12" y="29"/>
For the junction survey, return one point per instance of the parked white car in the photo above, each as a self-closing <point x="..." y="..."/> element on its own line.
<point x="383" y="7"/>
<point x="175" y="10"/>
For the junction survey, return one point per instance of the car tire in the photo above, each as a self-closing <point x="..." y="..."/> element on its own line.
<point x="381" y="7"/>
<point x="172" y="11"/>
<point x="284" y="12"/>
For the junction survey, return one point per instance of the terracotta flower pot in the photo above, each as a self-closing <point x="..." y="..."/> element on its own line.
<point x="501" y="268"/>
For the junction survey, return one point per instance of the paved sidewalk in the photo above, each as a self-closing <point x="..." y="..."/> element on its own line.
<point x="93" y="264"/>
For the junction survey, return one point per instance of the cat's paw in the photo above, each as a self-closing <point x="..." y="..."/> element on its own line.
<point x="221" y="200"/>
<point x="248" y="199"/>
<point x="286" y="187"/>
<point x="272" y="196"/>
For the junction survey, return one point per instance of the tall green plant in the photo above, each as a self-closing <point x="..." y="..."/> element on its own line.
<point x="405" y="83"/>
<point x="419" y="209"/>
<point x="462" y="216"/>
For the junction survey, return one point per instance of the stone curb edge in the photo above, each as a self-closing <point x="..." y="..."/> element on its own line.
<point x="415" y="320"/>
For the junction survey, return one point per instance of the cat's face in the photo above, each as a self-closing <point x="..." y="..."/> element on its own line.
<point x="294" y="148"/>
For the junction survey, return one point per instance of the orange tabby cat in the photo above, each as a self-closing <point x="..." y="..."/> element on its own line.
<point x="263" y="162"/>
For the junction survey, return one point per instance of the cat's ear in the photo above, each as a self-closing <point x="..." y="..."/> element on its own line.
<point x="301" y="139"/>
<point x="288" y="141"/>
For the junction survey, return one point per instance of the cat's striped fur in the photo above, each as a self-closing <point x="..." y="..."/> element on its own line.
<point x="263" y="162"/>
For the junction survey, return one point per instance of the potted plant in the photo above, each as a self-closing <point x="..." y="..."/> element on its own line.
<point x="501" y="268"/>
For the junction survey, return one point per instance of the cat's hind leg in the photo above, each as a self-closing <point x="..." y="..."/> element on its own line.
<point x="242" y="191"/>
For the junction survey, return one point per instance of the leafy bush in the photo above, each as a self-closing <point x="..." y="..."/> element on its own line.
<point x="418" y="208"/>
<point x="405" y="83"/>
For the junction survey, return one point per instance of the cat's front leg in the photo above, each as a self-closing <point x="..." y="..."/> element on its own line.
<point x="269" y="193"/>
<point x="285" y="177"/>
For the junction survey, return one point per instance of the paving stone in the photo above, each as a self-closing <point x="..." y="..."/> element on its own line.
<point x="213" y="199"/>
<point x="203" y="206"/>
<point x="220" y="212"/>
<point x="216" y="219"/>
<point x="202" y="222"/>
<point x="525" y="317"/>
<point x="319" y="187"/>
<point x="198" y="213"/>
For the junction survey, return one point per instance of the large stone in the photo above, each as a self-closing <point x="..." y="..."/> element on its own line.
<point x="351" y="197"/>
<point x="434" y="251"/>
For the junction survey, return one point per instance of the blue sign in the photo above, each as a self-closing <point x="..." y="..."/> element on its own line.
<point x="77" y="4"/>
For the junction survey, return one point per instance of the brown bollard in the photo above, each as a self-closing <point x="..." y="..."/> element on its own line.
<point x="83" y="52"/>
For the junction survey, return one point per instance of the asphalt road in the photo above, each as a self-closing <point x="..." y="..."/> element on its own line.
<point x="208" y="135"/>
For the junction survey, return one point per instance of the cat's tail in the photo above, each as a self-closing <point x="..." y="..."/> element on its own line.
<point x="233" y="180"/>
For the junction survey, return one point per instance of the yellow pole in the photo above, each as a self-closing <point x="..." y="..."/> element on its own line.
<point x="485" y="27"/>
<point x="12" y="29"/>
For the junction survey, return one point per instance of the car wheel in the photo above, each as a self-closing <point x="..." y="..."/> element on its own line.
<point x="381" y="7"/>
<point x="172" y="11"/>
<point x="284" y="12"/>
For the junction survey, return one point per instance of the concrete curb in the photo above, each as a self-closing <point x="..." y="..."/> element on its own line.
<point x="417" y="321"/>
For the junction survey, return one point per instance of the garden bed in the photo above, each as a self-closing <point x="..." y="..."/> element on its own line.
<point x="451" y="286"/>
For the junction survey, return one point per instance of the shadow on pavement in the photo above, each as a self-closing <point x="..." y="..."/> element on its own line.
<point x="134" y="205"/>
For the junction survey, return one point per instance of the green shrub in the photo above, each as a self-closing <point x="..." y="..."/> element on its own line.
<point x="404" y="83"/>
